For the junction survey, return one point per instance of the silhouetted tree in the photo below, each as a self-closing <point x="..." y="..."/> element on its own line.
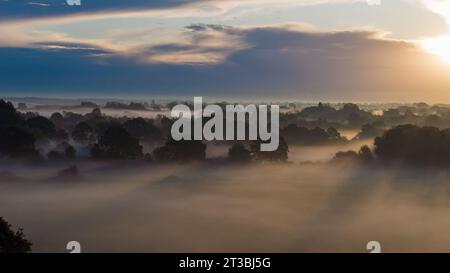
<point x="369" y="131"/>
<point x="180" y="151"/>
<point x="349" y="113"/>
<point x="61" y="135"/>
<point x="117" y="143"/>
<point x="70" y="152"/>
<point x="17" y="143"/>
<point x="365" y="154"/>
<point x="12" y="241"/>
<point x="166" y="124"/>
<point x="95" y="113"/>
<point x="22" y="106"/>
<point x="142" y="129"/>
<point x="412" y="144"/>
<point x="280" y="154"/>
<point x="333" y="134"/>
<point x="101" y="127"/>
<point x="8" y="115"/>
<point x="58" y="120"/>
<point x="238" y="153"/>
<point x="294" y="134"/>
<point x="346" y="156"/>
<point x="82" y="133"/>
<point x="131" y="106"/>
<point x="41" y="127"/>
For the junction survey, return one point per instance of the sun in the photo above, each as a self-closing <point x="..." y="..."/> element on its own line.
<point x="439" y="46"/>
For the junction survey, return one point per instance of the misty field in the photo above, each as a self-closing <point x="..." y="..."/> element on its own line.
<point x="294" y="207"/>
<point x="343" y="176"/>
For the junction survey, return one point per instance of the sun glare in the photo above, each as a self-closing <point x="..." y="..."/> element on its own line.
<point x="441" y="7"/>
<point x="439" y="46"/>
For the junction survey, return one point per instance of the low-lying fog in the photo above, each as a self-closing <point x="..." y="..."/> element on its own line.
<point x="298" y="153"/>
<point x="48" y="111"/>
<point x="257" y="208"/>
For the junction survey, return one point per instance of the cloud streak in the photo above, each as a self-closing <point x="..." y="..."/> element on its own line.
<point x="264" y="62"/>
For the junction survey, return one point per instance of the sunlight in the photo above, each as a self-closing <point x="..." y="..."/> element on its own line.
<point x="439" y="46"/>
<point x="441" y="7"/>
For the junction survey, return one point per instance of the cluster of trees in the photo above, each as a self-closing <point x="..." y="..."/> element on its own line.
<point x="117" y="143"/>
<point x="363" y="155"/>
<point x="294" y="134"/>
<point x="240" y="153"/>
<point x="410" y="144"/>
<point x="131" y="106"/>
<point x="16" y="138"/>
<point x="350" y="116"/>
<point x="369" y="131"/>
<point x="413" y="144"/>
<point x="27" y="135"/>
<point x="12" y="241"/>
<point x="30" y="136"/>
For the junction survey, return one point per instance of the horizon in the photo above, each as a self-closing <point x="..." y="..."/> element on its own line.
<point x="211" y="99"/>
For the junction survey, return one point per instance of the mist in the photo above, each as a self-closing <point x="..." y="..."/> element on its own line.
<point x="313" y="196"/>
<point x="200" y="208"/>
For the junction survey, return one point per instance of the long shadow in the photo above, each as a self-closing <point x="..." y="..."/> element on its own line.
<point x="355" y="188"/>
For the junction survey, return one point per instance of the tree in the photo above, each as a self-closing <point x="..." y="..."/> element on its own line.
<point x="41" y="127"/>
<point x="365" y="154"/>
<point x="12" y="241"/>
<point x="17" y="143"/>
<point x="369" y="131"/>
<point x="58" y="120"/>
<point x="238" y="153"/>
<point x="416" y="145"/>
<point x="180" y="151"/>
<point x="280" y="154"/>
<point x="8" y="115"/>
<point x="96" y="113"/>
<point x="117" y="143"/>
<point x="82" y="133"/>
<point x="333" y="134"/>
<point x="346" y="156"/>
<point x="62" y="151"/>
<point x="142" y="129"/>
<point x="61" y="135"/>
<point x="294" y="134"/>
<point x="70" y="152"/>
<point x="22" y="106"/>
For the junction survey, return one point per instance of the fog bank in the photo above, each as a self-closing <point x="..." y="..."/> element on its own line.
<point x="259" y="208"/>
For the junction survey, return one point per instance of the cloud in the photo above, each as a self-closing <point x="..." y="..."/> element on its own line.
<point x="18" y="9"/>
<point x="206" y="44"/>
<point x="275" y="62"/>
<point x="57" y="11"/>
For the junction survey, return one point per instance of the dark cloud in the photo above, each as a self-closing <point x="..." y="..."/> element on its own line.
<point x="352" y="65"/>
<point x="205" y="27"/>
<point x="11" y="9"/>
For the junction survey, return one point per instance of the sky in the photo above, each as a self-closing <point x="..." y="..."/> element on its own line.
<point x="340" y="50"/>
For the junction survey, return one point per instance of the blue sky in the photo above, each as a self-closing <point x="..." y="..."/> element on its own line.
<point x="296" y="49"/>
